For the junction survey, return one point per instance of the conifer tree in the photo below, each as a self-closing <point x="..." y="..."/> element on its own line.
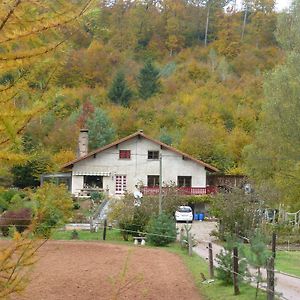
<point x="119" y="91"/>
<point x="148" y="81"/>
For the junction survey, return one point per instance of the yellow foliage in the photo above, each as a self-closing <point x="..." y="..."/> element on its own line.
<point x="63" y="157"/>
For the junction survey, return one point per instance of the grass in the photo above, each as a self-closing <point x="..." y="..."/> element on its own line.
<point x="112" y="235"/>
<point x="215" y="290"/>
<point x="288" y="262"/>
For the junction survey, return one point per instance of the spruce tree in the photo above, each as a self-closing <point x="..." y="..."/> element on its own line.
<point x="119" y="91"/>
<point x="148" y="81"/>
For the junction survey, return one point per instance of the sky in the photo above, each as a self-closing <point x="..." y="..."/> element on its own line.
<point x="281" y="4"/>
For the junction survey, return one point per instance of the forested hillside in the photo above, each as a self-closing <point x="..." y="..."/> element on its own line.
<point x="189" y="73"/>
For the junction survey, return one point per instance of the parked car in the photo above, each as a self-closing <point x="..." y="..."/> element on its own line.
<point x="184" y="214"/>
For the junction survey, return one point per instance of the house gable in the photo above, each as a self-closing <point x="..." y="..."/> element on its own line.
<point x="138" y="135"/>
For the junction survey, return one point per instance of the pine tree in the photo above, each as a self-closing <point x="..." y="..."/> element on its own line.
<point x="119" y="91"/>
<point x="148" y="81"/>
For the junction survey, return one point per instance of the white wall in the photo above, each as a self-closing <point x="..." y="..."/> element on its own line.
<point x="138" y="167"/>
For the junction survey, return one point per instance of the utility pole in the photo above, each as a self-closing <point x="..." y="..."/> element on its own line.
<point x="245" y="20"/>
<point x="160" y="184"/>
<point x="207" y="23"/>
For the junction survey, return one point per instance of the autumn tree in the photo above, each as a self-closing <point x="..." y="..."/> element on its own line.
<point x="31" y="38"/>
<point x="274" y="157"/>
<point x="101" y="131"/>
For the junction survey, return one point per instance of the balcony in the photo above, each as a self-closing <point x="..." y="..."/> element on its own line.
<point x="189" y="191"/>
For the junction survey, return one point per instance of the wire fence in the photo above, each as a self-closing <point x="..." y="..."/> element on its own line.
<point x="99" y="226"/>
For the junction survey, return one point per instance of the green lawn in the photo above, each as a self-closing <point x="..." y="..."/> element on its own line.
<point x="288" y="262"/>
<point x="216" y="290"/>
<point x="112" y="235"/>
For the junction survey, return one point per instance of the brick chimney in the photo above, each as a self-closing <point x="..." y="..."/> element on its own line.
<point x="83" y="142"/>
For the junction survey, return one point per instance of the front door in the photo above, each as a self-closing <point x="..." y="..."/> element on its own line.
<point x="121" y="184"/>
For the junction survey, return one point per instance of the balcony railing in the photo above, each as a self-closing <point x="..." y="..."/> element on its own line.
<point x="154" y="190"/>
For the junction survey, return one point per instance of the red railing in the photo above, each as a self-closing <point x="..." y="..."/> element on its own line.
<point x="154" y="190"/>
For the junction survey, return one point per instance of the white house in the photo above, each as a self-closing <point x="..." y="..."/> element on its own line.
<point x="136" y="161"/>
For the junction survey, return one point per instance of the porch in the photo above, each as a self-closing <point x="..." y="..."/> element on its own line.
<point x="189" y="191"/>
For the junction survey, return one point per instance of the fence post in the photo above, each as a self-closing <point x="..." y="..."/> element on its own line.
<point x="270" y="271"/>
<point x="274" y="245"/>
<point x="210" y="260"/>
<point x="236" y="270"/>
<point x="190" y="241"/>
<point x="270" y="279"/>
<point x="104" y="230"/>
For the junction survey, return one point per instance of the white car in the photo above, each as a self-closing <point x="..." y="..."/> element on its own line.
<point x="184" y="213"/>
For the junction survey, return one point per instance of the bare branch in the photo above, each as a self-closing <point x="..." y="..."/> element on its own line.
<point x="9" y="14"/>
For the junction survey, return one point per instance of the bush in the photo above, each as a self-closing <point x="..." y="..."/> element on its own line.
<point x="53" y="208"/>
<point x="225" y="262"/>
<point x="132" y="219"/>
<point x="235" y="209"/>
<point x="161" y="230"/>
<point x="97" y="196"/>
<point x="11" y="199"/>
<point x="74" y="235"/>
<point x="76" y="206"/>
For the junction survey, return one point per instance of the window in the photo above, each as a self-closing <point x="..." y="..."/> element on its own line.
<point x="153" y="180"/>
<point x="153" y="154"/>
<point x="93" y="182"/>
<point x="184" y="181"/>
<point x="121" y="183"/>
<point x="124" y="154"/>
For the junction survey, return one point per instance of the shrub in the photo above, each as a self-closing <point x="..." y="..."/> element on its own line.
<point x="74" y="235"/>
<point x="97" y="196"/>
<point x="161" y="230"/>
<point x="235" y="209"/>
<point x="225" y="264"/>
<point x="53" y="208"/>
<point x="76" y="205"/>
<point x="11" y="199"/>
<point x="20" y="218"/>
<point x="132" y="219"/>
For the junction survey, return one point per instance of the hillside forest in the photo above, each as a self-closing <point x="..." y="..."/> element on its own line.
<point x="200" y="75"/>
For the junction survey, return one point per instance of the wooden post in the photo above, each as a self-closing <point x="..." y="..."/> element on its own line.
<point x="236" y="270"/>
<point x="270" y="279"/>
<point x="211" y="261"/>
<point x="274" y="245"/>
<point x="190" y="241"/>
<point x="104" y="230"/>
<point x="270" y="271"/>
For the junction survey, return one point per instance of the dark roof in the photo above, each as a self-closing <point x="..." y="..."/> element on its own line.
<point x="141" y="134"/>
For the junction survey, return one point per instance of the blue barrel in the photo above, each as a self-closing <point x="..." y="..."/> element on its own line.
<point x="201" y="217"/>
<point x="196" y="217"/>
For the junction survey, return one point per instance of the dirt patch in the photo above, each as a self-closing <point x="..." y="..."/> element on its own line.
<point x="87" y="270"/>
